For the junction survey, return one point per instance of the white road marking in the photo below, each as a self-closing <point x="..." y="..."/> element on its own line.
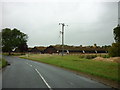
<point x="43" y="79"/>
<point x="71" y="83"/>
<point x="29" y="64"/>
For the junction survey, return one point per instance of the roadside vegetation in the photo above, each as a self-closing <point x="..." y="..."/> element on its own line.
<point x="80" y="63"/>
<point x="91" y="56"/>
<point x="3" y="62"/>
<point x="114" y="51"/>
<point x="13" y="54"/>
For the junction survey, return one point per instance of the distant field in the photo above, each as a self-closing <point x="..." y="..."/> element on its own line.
<point x="107" y="70"/>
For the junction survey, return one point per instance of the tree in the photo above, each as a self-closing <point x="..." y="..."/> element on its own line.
<point x="114" y="50"/>
<point x="23" y="47"/>
<point x="106" y="46"/>
<point x="12" y="39"/>
<point x="117" y="33"/>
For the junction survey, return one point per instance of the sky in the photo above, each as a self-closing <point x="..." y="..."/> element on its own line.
<point x="88" y="21"/>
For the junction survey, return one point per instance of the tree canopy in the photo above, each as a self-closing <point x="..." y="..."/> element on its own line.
<point x="114" y="51"/>
<point x="117" y="33"/>
<point x="12" y="39"/>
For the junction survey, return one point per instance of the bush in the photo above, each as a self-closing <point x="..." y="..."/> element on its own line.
<point x="88" y="56"/>
<point x="114" y="51"/>
<point x="105" y="56"/>
<point x="81" y="56"/>
<point x="3" y="63"/>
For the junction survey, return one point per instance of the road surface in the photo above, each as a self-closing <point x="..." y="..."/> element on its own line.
<point x="23" y="73"/>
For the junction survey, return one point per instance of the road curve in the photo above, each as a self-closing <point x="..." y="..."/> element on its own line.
<point x="23" y="73"/>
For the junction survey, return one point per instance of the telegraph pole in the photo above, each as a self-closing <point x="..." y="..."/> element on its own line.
<point x="62" y="37"/>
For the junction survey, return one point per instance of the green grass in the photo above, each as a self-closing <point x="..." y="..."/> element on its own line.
<point x="3" y="62"/>
<point x="107" y="70"/>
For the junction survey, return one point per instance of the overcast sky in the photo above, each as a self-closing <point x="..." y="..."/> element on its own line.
<point x="88" y="22"/>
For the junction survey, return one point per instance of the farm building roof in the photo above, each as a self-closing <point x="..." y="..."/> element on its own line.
<point x="41" y="48"/>
<point x="78" y="48"/>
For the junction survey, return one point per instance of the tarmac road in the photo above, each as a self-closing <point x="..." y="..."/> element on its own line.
<point x="23" y="73"/>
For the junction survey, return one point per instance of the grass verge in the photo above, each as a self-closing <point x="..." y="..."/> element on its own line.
<point x="108" y="70"/>
<point x="3" y="62"/>
<point x="13" y="54"/>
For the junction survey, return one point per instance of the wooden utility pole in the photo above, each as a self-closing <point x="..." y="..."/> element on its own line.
<point x="62" y="37"/>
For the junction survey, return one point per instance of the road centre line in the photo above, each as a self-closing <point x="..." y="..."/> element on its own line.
<point x="29" y="64"/>
<point x="43" y="79"/>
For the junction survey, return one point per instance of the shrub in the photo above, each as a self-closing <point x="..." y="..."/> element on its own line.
<point x="105" y="56"/>
<point x="88" y="56"/>
<point x="81" y="56"/>
<point x="114" y="51"/>
<point x="4" y="63"/>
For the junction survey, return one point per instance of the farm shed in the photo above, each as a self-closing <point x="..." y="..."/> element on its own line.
<point x="74" y="49"/>
<point x="50" y="50"/>
<point x="37" y="49"/>
<point x="71" y="49"/>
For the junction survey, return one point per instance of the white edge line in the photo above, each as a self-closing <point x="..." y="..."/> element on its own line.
<point x="43" y="79"/>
